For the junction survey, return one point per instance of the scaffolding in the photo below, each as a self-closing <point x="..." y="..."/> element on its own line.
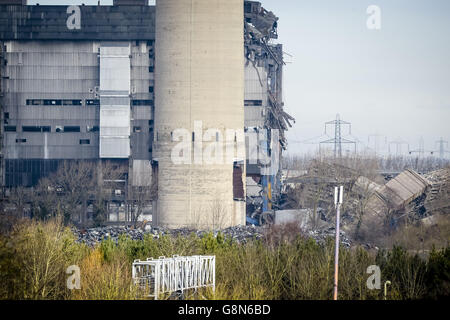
<point x="176" y="274"/>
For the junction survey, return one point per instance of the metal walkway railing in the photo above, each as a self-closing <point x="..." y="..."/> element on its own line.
<point x="179" y="273"/>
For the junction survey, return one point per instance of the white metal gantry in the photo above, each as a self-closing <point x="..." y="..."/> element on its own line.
<point x="179" y="273"/>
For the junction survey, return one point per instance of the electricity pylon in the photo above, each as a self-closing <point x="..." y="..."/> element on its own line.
<point x="338" y="140"/>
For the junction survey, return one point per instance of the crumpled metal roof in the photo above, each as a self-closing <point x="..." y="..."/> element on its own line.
<point x="404" y="188"/>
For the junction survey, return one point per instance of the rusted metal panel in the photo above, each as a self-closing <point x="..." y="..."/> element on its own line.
<point x="238" y="186"/>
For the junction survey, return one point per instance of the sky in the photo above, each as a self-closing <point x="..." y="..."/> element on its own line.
<point x="393" y="83"/>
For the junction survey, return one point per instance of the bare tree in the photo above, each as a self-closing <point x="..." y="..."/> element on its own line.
<point x="218" y="214"/>
<point x="112" y="175"/>
<point x="138" y="198"/>
<point x="13" y="208"/>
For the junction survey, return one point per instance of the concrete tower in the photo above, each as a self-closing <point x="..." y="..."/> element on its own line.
<point x="199" y="77"/>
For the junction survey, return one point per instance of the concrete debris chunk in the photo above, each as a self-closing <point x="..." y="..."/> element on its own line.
<point x="304" y="218"/>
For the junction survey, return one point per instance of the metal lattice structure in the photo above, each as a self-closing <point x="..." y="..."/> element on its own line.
<point x="338" y="140"/>
<point x="179" y="273"/>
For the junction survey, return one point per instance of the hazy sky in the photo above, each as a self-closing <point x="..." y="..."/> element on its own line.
<point x="393" y="82"/>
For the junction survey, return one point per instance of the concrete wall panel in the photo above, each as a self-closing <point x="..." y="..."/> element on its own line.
<point x="200" y="77"/>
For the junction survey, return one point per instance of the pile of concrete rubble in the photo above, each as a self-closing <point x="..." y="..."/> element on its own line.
<point x="93" y="236"/>
<point x="408" y="195"/>
<point x="321" y="236"/>
<point x="240" y="234"/>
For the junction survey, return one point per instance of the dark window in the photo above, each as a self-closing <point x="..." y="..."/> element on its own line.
<point x="91" y="102"/>
<point x="136" y="129"/>
<point x="85" y="141"/>
<point x="71" y="129"/>
<point x="150" y="150"/>
<point x="27" y="172"/>
<point x="193" y="136"/>
<point x="253" y="103"/>
<point x="34" y="102"/>
<point x="31" y="129"/>
<point x="10" y="128"/>
<point x="52" y="102"/>
<point x="92" y="129"/>
<point x="151" y="69"/>
<point x="150" y="122"/>
<point x="71" y="102"/>
<point x="6" y="115"/>
<point x="36" y="128"/>
<point x="21" y="140"/>
<point x="150" y="89"/>
<point x="142" y="102"/>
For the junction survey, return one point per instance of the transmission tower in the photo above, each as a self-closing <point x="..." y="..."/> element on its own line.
<point x="338" y="140"/>
<point x="421" y="151"/>
<point x="442" y="146"/>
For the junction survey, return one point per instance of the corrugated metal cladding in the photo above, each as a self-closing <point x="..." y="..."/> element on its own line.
<point x="96" y="23"/>
<point x="255" y="83"/>
<point x="47" y="85"/>
<point x="114" y="100"/>
<point x="142" y="173"/>
<point x="255" y="95"/>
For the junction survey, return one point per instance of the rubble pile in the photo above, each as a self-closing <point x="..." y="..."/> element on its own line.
<point x="321" y="235"/>
<point x="240" y="234"/>
<point x="93" y="236"/>
<point x="439" y="193"/>
<point x="434" y="199"/>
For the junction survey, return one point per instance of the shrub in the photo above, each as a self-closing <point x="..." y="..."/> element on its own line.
<point x="35" y="255"/>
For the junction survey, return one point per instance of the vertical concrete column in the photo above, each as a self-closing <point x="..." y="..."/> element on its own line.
<point x="199" y="86"/>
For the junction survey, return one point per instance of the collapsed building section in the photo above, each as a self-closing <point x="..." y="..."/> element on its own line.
<point x="264" y="114"/>
<point x="391" y="197"/>
<point x="371" y="208"/>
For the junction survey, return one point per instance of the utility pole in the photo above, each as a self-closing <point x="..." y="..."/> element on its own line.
<point x="338" y="196"/>
<point x="338" y="140"/>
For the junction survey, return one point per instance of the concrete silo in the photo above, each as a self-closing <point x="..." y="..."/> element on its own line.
<point x="199" y="81"/>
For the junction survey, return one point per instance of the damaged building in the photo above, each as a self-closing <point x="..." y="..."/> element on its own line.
<point x="111" y="83"/>
<point x="263" y="107"/>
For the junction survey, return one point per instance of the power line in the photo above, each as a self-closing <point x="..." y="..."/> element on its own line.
<point x="421" y="151"/>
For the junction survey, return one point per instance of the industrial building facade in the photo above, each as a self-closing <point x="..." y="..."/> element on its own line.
<point x="91" y="83"/>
